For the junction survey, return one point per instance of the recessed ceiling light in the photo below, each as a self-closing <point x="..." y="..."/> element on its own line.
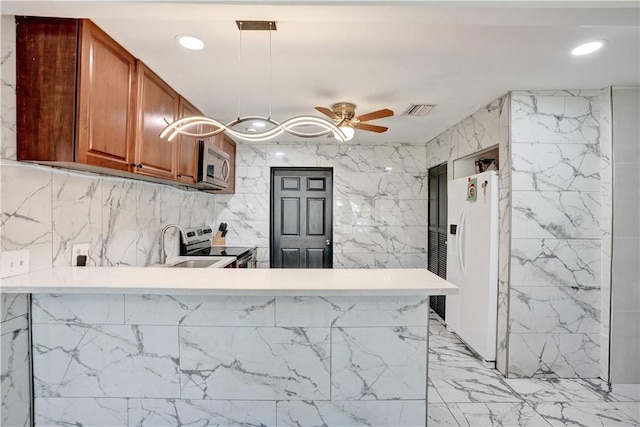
<point x="587" y="48"/>
<point x="190" y="42"/>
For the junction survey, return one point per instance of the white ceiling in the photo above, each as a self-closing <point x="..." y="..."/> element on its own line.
<point x="376" y="54"/>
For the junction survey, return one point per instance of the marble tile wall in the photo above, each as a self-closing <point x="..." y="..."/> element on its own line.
<point x="15" y="409"/>
<point x="504" y="245"/>
<point x="121" y="219"/>
<point x="174" y="360"/>
<point x="379" y="215"/>
<point x="557" y="141"/>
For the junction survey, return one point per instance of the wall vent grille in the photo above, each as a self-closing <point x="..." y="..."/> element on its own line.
<point x="417" y="110"/>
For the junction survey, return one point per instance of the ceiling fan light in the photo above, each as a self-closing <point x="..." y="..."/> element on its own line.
<point x="348" y="132"/>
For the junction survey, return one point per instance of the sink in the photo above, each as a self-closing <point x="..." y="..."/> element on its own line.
<point x="199" y="262"/>
<point x="195" y="263"/>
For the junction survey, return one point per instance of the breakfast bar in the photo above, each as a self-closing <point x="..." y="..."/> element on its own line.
<point x="265" y="347"/>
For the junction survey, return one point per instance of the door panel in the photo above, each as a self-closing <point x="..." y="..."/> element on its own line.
<point x="301" y="217"/>
<point x="315" y="258"/>
<point x="290" y="217"/>
<point x="315" y="217"/>
<point x="290" y="258"/>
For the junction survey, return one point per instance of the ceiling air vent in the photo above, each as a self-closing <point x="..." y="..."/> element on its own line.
<point x="417" y="110"/>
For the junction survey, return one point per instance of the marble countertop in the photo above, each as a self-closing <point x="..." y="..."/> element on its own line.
<point x="229" y="281"/>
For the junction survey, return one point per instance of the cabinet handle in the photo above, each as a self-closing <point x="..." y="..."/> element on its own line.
<point x="133" y="165"/>
<point x="139" y="165"/>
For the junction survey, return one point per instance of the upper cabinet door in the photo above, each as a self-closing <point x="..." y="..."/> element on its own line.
<point x="157" y="106"/>
<point x="46" y="59"/>
<point x="106" y="101"/>
<point x="187" y="149"/>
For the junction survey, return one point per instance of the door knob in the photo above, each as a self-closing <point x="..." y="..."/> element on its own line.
<point x="328" y="242"/>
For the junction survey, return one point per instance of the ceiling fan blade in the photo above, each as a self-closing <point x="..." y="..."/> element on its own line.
<point x="327" y="112"/>
<point x="372" y="128"/>
<point x="375" y="115"/>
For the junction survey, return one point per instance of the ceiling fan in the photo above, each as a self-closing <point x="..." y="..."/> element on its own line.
<point x="344" y="115"/>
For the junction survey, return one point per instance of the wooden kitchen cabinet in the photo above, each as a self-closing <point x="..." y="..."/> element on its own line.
<point x="76" y="94"/>
<point x="158" y="105"/>
<point x="187" y="147"/>
<point x="228" y="145"/>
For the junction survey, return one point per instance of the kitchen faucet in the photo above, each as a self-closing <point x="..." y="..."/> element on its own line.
<point x="163" y="252"/>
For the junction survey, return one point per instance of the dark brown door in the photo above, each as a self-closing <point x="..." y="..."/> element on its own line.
<point x="437" y="252"/>
<point x="301" y="218"/>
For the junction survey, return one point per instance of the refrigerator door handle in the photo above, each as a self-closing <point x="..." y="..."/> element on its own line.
<point x="460" y="241"/>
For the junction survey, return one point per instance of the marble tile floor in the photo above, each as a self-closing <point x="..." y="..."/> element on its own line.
<point x="464" y="393"/>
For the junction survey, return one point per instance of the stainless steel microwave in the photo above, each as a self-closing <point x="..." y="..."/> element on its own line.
<point x="214" y="168"/>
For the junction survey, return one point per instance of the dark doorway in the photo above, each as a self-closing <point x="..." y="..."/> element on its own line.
<point x="301" y="218"/>
<point x="437" y="251"/>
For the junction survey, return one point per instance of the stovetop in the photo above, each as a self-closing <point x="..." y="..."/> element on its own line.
<point x="236" y="251"/>
<point x="196" y="241"/>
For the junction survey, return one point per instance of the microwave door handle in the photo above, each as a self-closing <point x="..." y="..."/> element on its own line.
<point x="226" y="167"/>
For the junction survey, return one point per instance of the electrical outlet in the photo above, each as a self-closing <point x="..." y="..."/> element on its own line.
<point x="14" y="263"/>
<point x="79" y="249"/>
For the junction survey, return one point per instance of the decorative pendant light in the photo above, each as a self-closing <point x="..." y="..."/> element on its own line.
<point x="289" y="126"/>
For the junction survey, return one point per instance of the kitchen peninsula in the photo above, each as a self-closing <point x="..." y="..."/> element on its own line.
<point x="162" y="346"/>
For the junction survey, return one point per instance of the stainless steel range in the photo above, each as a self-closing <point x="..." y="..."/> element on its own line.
<point x="196" y="241"/>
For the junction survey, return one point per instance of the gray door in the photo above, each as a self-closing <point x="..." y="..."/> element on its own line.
<point x="301" y="218"/>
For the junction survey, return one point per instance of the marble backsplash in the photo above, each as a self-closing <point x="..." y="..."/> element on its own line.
<point x="379" y="207"/>
<point x="48" y="210"/>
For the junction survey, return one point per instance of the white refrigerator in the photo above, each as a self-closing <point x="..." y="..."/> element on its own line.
<point x="472" y="261"/>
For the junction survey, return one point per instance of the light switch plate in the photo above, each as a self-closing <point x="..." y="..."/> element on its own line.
<point x="13" y="263"/>
<point x="79" y="249"/>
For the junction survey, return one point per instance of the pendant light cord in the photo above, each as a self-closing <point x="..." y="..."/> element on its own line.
<point x="270" y="91"/>
<point x="239" y="68"/>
